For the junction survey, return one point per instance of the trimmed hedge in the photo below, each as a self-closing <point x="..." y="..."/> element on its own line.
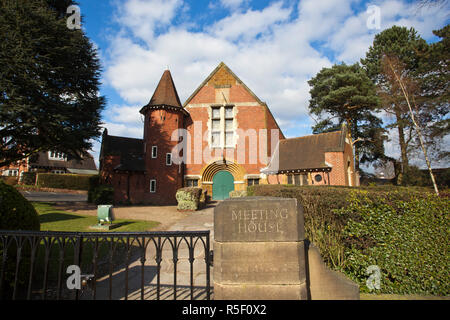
<point x="348" y="225"/>
<point x="407" y="240"/>
<point x="188" y="198"/>
<point x="63" y="181"/>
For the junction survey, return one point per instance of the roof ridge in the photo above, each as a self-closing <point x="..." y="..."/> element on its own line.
<point x="313" y="135"/>
<point x="124" y="137"/>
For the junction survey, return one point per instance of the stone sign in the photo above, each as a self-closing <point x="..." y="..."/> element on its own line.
<point x="259" y="219"/>
<point x="260" y="252"/>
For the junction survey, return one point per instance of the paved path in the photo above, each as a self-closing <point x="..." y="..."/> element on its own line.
<point x="53" y="196"/>
<point x="192" y="221"/>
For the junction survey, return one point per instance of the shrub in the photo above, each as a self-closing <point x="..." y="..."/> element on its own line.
<point x="103" y="194"/>
<point x="408" y="240"/>
<point x="332" y="218"/>
<point x="16" y="213"/>
<point x="238" y="194"/>
<point x="12" y="181"/>
<point x="188" y="198"/>
<point x="94" y="183"/>
<point x="63" y="181"/>
<point x="28" y="178"/>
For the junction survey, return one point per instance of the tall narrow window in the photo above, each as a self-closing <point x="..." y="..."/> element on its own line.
<point x="154" y="152"/>
<point x="229" y="128"/>
<point x="168" y="159"/>
<point x="216" y="128"/>
<point x="289" y="179"/>
<point x="152" y="186"/>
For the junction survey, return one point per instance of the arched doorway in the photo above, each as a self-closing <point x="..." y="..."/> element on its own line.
<point x="223" y="183"/>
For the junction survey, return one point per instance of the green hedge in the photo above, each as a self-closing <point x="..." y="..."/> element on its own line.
<point x="98" y="193"/>
<point x="407" y="240"/>
<point x="332" y="219"/>
<point x="63" y="181"/>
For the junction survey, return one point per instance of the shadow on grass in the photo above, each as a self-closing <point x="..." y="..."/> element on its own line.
<point x="54" y="217"/>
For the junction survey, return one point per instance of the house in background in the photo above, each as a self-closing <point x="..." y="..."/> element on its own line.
<point x="319" y="159"/>
<point x="51" y="162"/>
<point x="217" y="118"/>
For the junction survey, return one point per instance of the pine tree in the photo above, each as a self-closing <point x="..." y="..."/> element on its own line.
<point x="49" y="82"/>
<point x="409" y="48"/>
<point x="344" y="93"/>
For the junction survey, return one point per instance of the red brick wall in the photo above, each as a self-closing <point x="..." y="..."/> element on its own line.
<point x="249" y="114"/>
<point x="159" y="126"/>
<point x="339" y="162"/>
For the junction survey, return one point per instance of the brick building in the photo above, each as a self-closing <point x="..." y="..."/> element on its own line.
<point x="51" y="162"/>
<point x="222" y="138"/>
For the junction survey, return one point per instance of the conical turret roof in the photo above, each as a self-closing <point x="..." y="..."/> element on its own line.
<point x="165" y="95"/>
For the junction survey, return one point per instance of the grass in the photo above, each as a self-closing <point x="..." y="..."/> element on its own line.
<point x="57" y="220"/>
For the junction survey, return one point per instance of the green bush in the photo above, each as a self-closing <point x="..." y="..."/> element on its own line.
<point x="99" y="193"/>
<point x="63" y="181"/>
<point x="238" y="194"/>
<point x="408" y="240"/>
<point x="188" y="198"/>
<point x="327" y="217"/>
<point x="28" y="178"/>
<point x="16" y="213"/>
<point x="12" y="181"/>
<point x="103" y="194"/>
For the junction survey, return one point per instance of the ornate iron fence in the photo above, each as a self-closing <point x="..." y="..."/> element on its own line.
<point x="142" y="265"/>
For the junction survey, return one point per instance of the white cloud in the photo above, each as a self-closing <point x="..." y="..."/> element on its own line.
<point x="273" y="53"/>
<point x="233" y="4"/>
<point x="250" y="23"/>
<point x="144" y="16"/>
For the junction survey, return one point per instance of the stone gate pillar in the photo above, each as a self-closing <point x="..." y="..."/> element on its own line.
<point x="260" y="253"/>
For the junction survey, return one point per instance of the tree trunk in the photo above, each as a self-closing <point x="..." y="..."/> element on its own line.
<point x="403" y="146"/>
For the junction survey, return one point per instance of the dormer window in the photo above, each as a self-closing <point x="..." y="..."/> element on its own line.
<point x="57" y="156"/>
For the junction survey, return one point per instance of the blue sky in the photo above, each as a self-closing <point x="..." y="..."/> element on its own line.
<point x="275" y="47"/>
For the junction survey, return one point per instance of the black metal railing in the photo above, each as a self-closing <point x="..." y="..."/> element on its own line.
<point x="113" y="265"/>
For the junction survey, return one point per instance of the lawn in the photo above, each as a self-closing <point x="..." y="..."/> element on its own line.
<point x="57" y="220"/>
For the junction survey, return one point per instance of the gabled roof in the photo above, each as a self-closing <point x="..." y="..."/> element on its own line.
<point x="165" y="95"/>
<point x="306" y="153"/>
<point x="130" y="150"/>
<point x="42" y="160"/>
<point x="217" y="69"/>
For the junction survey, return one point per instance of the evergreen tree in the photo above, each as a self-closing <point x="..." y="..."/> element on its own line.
<point x="345" y="94"/>
<point x="49" y="82"/>
<point x="406" y="45"/>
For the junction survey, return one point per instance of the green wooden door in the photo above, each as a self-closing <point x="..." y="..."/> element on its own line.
<point x="223" y="183"/>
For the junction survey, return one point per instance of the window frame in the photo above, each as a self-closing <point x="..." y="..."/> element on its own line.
<point x="153" y="181"/>
<point x="193" y="184"/>
<point x="169" y="157"/>
<point x="154" y="152"/>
